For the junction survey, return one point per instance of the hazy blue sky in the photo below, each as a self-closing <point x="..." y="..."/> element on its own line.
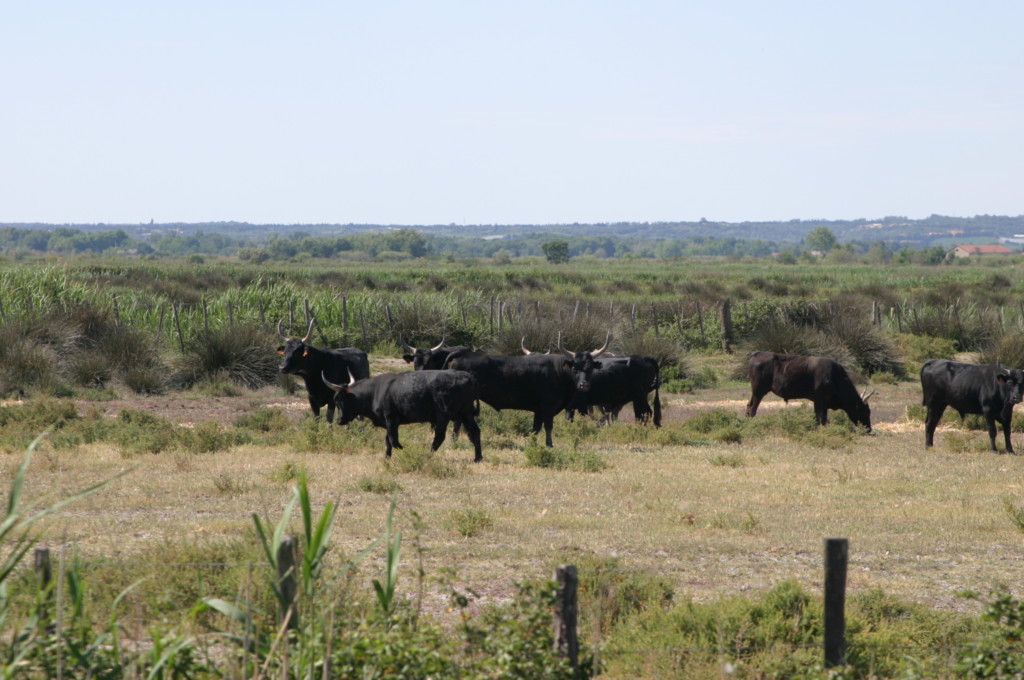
<point x="543" y="111"/>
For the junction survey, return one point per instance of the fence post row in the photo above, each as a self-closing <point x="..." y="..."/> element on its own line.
<point x="836" y="556"/>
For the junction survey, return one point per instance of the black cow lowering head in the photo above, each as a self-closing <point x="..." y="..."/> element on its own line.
<point x="342" y="394"/>
<point x="295" y="350"/>
<point x="420" y="358"/>
<point x="860" y="413"/>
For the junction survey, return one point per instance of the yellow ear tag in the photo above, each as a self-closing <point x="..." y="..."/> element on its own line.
<point x="305" y="352"/>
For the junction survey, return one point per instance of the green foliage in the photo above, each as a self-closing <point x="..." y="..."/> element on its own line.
<point x="1001" y="655"/>
<point x="244" y="354"/>
<point x="556" y="252"/>
<point x="921" y="348"/>
<point x="424" y="461"/>
<point x="557" y="458"/>
<point x="468" y="522"/>
<point x="384" y="485"/>
<point x="717" y="425"/>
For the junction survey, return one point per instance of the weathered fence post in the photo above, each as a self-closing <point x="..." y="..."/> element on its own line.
<point x="263" y="316"/>
<point x="286" y="580"/>
<point x="41" y="559"/>
<point x="565" y="613"/>
<point x="344" y="314"/>
<point x="700" y="323"/>
<point x="362" y="323"/>
<point x="206" y="317"/>
<point x="177" y="327"/>
<point x="231" y="314"/>
<point x="727" y="327"/>
<point x="836" y="554"/>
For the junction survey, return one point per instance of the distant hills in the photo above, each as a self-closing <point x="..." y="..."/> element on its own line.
<point x="933" y="230"/>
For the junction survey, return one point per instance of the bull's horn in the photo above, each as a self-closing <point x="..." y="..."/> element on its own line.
<point x="333" y="386"/>
<point x="351" y="378"/>
<point x="867" y="395"/>
<point x="604" y="347"/>
<point x="280" y="331"/>
<point x="522" y="344"/>
<point x="568" y="352"/>
<point x="409" y="349"/>
<point x="439" y="345"/>
<point x="309" y="331"/>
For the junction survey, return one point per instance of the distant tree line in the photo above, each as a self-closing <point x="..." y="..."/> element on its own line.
<point x="403" y="243"/>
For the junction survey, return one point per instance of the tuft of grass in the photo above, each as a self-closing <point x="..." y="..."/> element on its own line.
<point x="209" y="437"/>
<point x="228" y="485"/>
<point x="1014" y="512"/>
<point x="384" y="485"/>
<point x="424" y="461"/>
<point x="286" y="472"/>
<point x="733" y="460"/>
<point x="243" y="353"/>
<point x="468" y="522"/>
<point x="557" y="458"/>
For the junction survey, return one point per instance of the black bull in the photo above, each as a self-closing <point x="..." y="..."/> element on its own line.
<point x="820" y="379"/>
<point x="985" y="389"/>
<point x="393" y="399"/>
<point x="311" y="363"/>
<point x="541" y="383"/>
<point x="621" y="380"/>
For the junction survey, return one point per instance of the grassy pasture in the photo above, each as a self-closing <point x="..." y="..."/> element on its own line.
<point x="714" y="518"/>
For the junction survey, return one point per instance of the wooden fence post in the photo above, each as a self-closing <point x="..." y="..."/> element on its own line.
<point x="565" y="613"/>
<point x="231" y="314"/>
<point x="727" y="327"/>
<point x="263" y="316"/>
<point x="836" y="554"/>
<point x="41" y="559"/>
<point x="177" y="327"/>
<point x="286" y="580"/>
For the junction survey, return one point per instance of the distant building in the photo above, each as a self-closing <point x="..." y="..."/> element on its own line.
<point x="968" y="250"/>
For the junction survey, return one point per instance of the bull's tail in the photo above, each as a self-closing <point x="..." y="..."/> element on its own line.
<point x="657" y="401"/>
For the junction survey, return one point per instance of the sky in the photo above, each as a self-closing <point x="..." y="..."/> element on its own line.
<point x="509" y="112"/>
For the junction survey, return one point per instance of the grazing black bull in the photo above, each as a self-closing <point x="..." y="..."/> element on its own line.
<point x="393" y="399"/>
<point x="541" y="383"/>
<point x="987" y="389"/>
<point x="429" y="358"/>
<point x="621" y="380"/>
<point x="303" y="359"/>
<point x="820" y="379"/>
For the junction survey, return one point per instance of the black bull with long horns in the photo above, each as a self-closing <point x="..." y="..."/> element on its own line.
<point x="542" y="383"/>
<point x="822" y="380"/>
<point x="298" y="357"/>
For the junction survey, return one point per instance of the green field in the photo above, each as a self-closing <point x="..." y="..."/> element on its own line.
<point x="699" y="544"/>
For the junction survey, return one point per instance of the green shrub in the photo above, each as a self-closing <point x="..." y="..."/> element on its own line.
<point x="244" y="354"/>
<point x="921" y="348"/>
<point x="468" y="522"/>
<point x="209" y="437"/>
<point x="539" y="455"/>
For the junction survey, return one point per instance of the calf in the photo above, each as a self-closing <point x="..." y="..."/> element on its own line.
<point x="986" y="389"/>
<point x="392" y="399"/>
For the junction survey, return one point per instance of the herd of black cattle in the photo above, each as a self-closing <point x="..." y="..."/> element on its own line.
<point x="448" y="383"/>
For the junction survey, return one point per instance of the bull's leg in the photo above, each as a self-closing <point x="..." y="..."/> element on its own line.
<point x="538" y="421"/>
<point x="440" y="429"/>
<point x="392" y="429"/>
<point x="473" y="432"/>
<point x="1005" y="422"/>
<point x="330" y="412"/>
<point x="387" y="445"/>
<point x="931" y="419"/>
<point x="755" y="401"/>
<point x="642" y="410"/>
<point x="990" y="421"/>
<point x="549" y="422"/>
<point x="314" y="406"/>
<point x="821" y="413"/>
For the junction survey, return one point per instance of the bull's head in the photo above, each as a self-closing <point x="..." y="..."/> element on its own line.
<point x="584" y="363"/>
<point x="420" y="357"/>
<point x="1012" y="382"/>
<point x="860" y="414"/>
<point x="295" y="350"/>
<point x="341" y="395"/>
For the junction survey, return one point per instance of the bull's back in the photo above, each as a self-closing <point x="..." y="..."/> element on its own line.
<point x="963" y="386"/>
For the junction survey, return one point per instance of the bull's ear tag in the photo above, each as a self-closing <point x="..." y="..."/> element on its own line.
<point x="280" y="350"/>
<point x="1001" y="378"/>
<point x="305" y="352"/>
